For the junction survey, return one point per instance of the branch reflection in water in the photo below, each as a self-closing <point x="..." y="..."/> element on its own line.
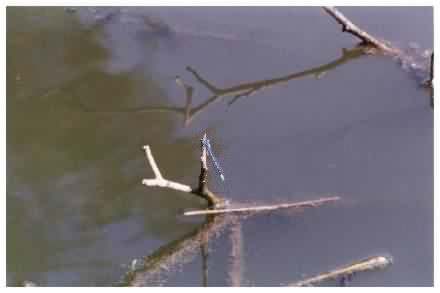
<point x="238" y="91"/>
<point x="177" y="252"/>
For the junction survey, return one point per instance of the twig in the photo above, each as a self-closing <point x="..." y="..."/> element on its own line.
<point x="431" y="72"/>
<point x="159" y="180"/>
<point x="202" y="189"/>
<point x="369" y="264"/>
<point x="430" y="82"/>
<point x="349" y="27"/>
<point x="203" y="179"/>
<point x="303" y="204"/>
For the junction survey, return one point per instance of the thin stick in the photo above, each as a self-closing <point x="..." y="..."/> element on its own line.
<point x="203" y="178"/>
<point x="203" y="189"/>
<point x="152" y="162"/>
<point x="159" y="180"/>
<point x="303" y="204"/>
<point x="431" y="72"/>
<point x="369" y="264"/>
<point x="349" y="27"/>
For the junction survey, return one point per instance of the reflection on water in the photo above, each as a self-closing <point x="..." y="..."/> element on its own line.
<point x="87" y="88"/>
<point x="238" y="91"/>
<point x="178" y="252"/>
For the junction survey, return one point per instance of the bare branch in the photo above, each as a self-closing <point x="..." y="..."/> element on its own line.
<point x="303" y="204"/>
<point x="203" y="179"/>
<point x="431" y="71"/>
<point x="369" y="264"/>
<point x="349" y="27"/>
<point x="159" y="180"/>
<point x="202" y="190"/>
<point x="152" y="162"/>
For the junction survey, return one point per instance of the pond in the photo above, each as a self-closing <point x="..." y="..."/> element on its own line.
<point x="87" y="88"/>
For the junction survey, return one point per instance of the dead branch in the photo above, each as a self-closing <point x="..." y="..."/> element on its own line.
<point x="431" y="71"/>
<point x="431" y="84"/>
<point x="203" y="179"/>
<point x="303" y="204"/>
<point x="432" y="66"/>
<point x="202" y="189"/>
<point x="204" y="251"/>
<point x="366" y="38"/>
<point x="369" y="264"/>
<point x="159" y="180"/>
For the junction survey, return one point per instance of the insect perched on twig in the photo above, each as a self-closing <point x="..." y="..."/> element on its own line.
<point x="207" y="146"/>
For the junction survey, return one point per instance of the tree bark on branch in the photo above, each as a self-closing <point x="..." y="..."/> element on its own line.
<point x="366" y="38"/>
<point x="202" y="188"/>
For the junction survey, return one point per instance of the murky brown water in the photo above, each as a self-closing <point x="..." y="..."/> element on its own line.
<point x="86" y="91"/>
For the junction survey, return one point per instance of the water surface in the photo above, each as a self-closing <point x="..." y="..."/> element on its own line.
<point x="355" y="126"/>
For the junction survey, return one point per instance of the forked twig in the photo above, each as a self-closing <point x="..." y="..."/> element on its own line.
<point x="159" y="180"/>
<point x="202" y="189"/>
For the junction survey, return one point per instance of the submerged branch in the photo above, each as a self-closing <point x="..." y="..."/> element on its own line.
<point x="303" y="204"/>
<point x="369" y="264"/>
